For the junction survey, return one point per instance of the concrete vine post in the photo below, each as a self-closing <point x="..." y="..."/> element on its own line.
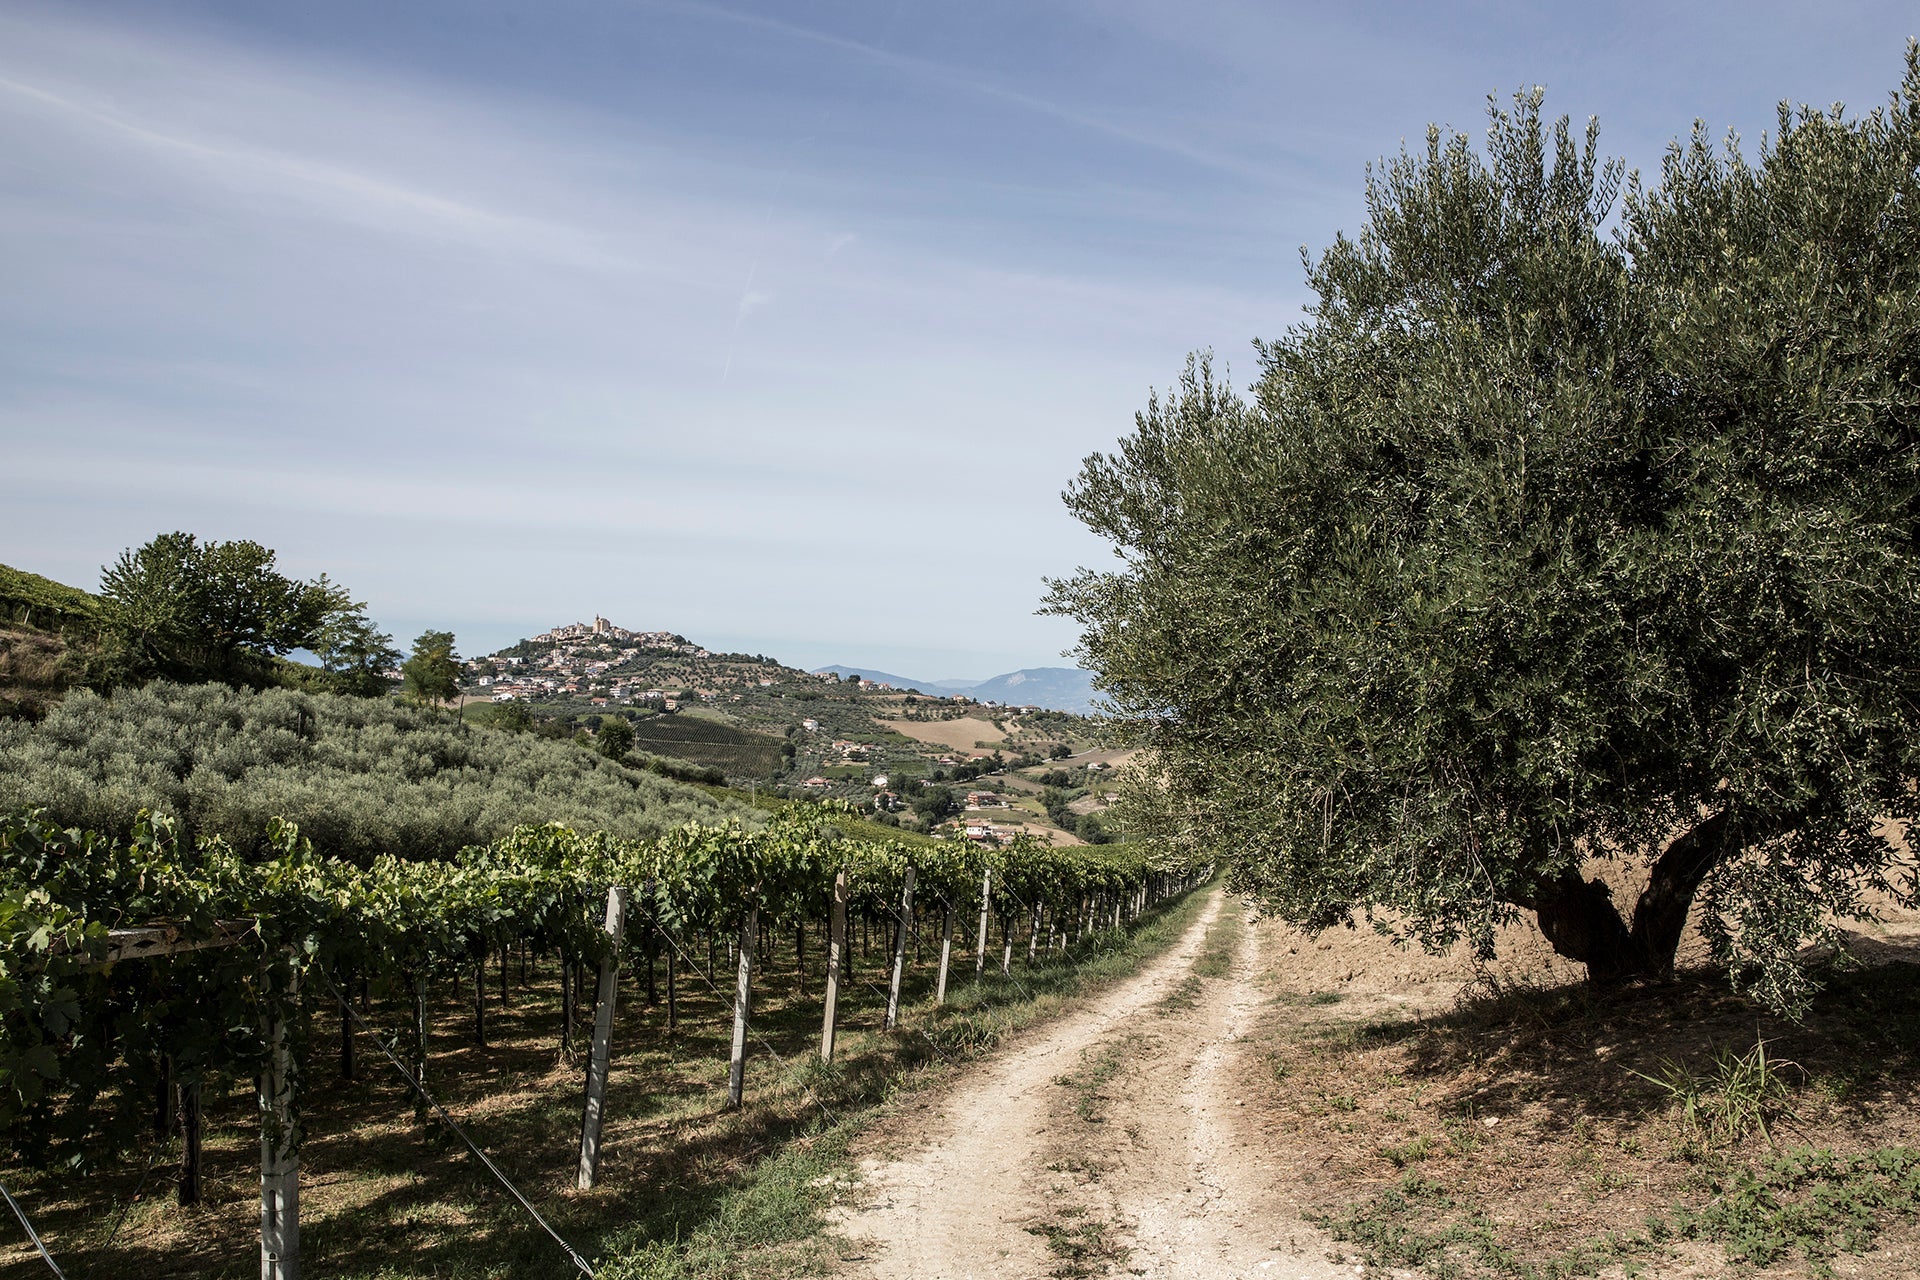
<point x="986" y="902"/>
<point x="737" y="1070"/>
<point x="279" y="1144"/>
<point x="602" y="1050"/>
<point x="836" y="958"/>
<point x="946" y="954"/>
<point x="899" y="954"/>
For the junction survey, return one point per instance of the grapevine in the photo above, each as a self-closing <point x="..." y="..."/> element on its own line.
<point x="84" y="1043"/>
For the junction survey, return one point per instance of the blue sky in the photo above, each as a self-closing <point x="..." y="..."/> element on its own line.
<point x="781" y="326"/>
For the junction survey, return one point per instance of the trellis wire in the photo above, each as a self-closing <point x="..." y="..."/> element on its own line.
<point x="32" y="1235"/>
<point x="453" y="1124"/>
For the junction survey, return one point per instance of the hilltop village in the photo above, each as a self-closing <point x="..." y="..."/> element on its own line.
<point x="927" y="762"/>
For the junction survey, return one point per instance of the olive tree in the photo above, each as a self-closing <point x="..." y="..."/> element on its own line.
<point x="1558" y="564"/>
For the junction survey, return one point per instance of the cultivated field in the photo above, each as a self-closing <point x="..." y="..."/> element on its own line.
<point x="961" y="736"/>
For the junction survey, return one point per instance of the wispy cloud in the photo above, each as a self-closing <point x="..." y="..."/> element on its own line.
<point x="958" y="80"/>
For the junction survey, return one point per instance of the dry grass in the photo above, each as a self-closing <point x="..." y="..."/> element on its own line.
<point x="36" y="669"/>
<point x="1535" y="1128"/>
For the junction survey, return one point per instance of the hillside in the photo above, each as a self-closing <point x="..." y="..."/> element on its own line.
<point x="48" y="641"/>
<point x="787" y="731"/>
<point x="29" y="600"/>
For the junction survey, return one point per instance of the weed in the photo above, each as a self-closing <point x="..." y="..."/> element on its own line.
<point x="1805" y="1200"/>
<point x="1216" y="954"/>
<point x="1081" y="1245"/>
<point x="1092" y="1074"/>
<point x="1184" y="996"/>
<point x="1409" y="1152"/>
<point x="1463" y="1136"/>
<point x="1726" y="1104"/>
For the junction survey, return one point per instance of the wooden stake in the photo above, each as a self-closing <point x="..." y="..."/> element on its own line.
<point x="602" y="1050"/>
<point x="836" y="957"/>
<point x="164" y="1098"/>
<point x="742" y="991"/>
<point x="279" y="1153"/>
<point x="188" y="1094"/>
<point x="899" y="954"/>
<point x="653" y="953"/>
<point x="673" y="992"/>
<point x="946" y="953"/>
<point x="346" y="1030"/>
<point x="480" y="1002"/>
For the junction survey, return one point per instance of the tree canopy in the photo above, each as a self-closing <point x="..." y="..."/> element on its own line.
<point x="1556" y="563"/>
<point x="432" y="675"/>
<point x="191" y="610"/>
<point x="614" y="737"/>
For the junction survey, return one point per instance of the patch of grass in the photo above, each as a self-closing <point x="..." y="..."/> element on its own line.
<point x="1406" y="1153"/>
<point x="1738" y="1095"/>
<point x="1806" y="1201"/>
<point x="1098" y="1066"/>
<point x="1419" y="1224"/>
<point x="1184" y="996"/>
<point x="1217" y="951"/>
<point x="1390" y="1230"/>
<point x="1081" y="1245"/>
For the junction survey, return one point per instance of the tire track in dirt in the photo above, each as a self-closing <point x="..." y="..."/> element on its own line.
<point x="1009" y="1157"/>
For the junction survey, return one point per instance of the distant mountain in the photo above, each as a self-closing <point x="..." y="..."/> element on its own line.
<point x="1056" y="688"/>
<point x="898" y="682"/>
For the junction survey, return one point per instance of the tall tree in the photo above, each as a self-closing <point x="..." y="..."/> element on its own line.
<point x="432" y="675"/>
<point x="355" y="654"/>
<point x="209" y="610"/>
<point x="614" y="737"/>
<point x="1548" y="569"/>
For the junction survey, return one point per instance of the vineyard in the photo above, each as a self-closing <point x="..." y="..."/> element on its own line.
<point x="135" y="971"/>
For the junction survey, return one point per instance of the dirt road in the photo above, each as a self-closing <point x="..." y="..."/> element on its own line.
<point x="1109" y="1141"/>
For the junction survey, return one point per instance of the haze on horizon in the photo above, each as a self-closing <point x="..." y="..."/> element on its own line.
<point x="777" y="326"/>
